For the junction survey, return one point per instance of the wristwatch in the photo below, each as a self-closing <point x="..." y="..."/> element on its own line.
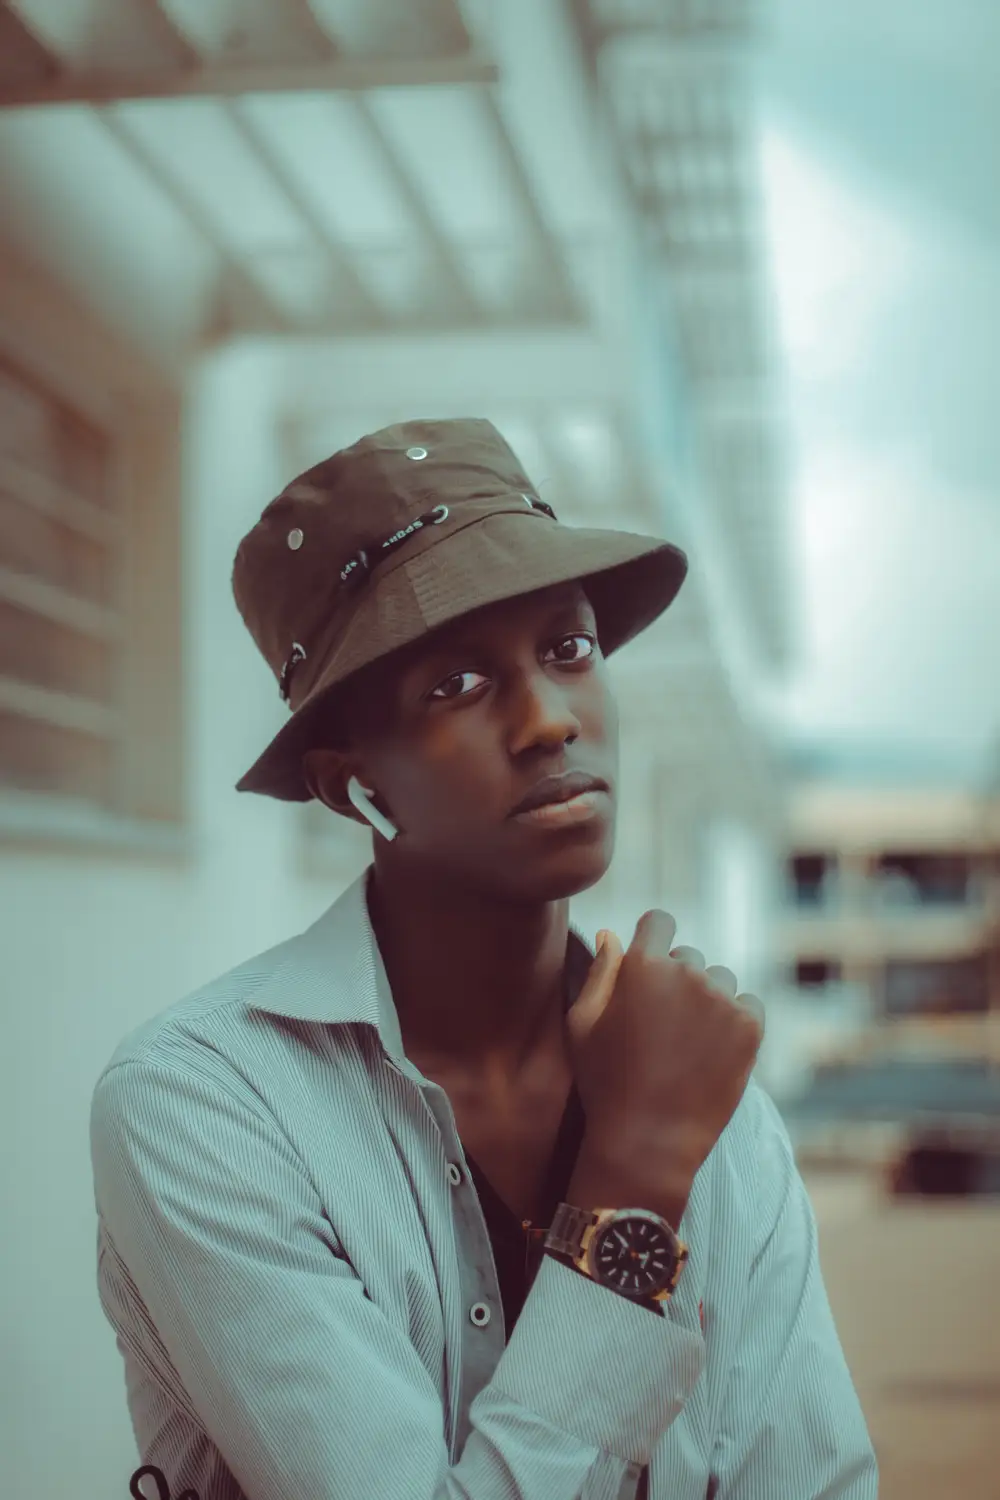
<point x="632" y="1251"/>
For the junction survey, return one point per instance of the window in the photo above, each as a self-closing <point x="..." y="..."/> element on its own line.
<point x="90" y="709"/>
<point x="810" y="878"/>
<point x="923" y="879"/>
<point x="937" y="987"/>
<point x="60" y="628"/>
<point x="815" y="973"/>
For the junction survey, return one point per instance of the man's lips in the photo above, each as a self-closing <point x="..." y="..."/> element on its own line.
<point x="558" y="789"/>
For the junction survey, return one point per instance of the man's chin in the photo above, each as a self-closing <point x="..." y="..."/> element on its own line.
<point x="566" y="873"/>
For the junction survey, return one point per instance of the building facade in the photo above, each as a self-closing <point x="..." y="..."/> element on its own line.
<point x="895" y="893"/>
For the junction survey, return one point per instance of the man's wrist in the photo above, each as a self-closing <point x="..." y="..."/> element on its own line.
<point x="611" y="1179"/>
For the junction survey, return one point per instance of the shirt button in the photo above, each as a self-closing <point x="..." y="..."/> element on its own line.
<point x="295" y="539"/>
<point x="416" y="453"/>
<point x="454" y="1175"/>
<point x="479" y="1314"/>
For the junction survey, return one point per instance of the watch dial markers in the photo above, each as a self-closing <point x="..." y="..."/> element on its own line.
<point x="635" y="1257"/>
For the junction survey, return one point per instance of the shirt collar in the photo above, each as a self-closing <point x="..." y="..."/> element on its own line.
<point x="333" y="973"/>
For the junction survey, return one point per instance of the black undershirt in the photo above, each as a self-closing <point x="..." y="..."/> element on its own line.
<point x="517" y="1246"/>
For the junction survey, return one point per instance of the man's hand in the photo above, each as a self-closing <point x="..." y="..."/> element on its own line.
<point x="661" y="1048"/>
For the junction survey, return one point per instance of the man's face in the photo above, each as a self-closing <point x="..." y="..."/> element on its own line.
<point x="462" y="726"/>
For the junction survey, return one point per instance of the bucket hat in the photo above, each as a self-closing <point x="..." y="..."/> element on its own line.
<point x="398" y="535"/>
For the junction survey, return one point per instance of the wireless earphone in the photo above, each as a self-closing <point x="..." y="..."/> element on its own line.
<point x="361" y="797"/>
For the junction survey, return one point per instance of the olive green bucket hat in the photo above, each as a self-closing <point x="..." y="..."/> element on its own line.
<point x="399" y="534"/>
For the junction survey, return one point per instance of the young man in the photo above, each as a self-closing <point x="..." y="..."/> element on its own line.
<point x="426" y="1202"/>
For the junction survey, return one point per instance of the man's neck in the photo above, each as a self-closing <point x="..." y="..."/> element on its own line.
<point x="478" y="984"/>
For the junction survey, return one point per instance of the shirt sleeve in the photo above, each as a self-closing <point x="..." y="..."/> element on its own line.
<point x="792" y="1424"/>
<point x="301" y="1383"/>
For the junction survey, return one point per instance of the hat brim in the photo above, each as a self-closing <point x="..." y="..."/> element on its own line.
<point x="629" y="579"/>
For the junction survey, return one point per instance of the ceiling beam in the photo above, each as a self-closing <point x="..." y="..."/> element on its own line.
<point x="461" y="296"/>
<point x="179" y="50"/>
<point x="728" y="21"/>
<point x="25" y="61"/>
<point x="239" y="285"/>
<point x="364" y="305"/>
<point x="230" y="80"/>
<point x="562" y="300"/>
<point x="299" y="38"/>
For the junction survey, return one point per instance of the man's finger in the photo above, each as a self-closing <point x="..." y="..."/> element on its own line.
<point x="723" y="980"/>
<point x="654" y="931"/>
<point x="598" y="985"/>
<point x="692" y="957"/>
<point x="756" y="1005"/>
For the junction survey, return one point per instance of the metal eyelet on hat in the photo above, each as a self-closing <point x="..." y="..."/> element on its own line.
<point x="541" y="505"/>
<point x="295" y="539"/>
<point x="416" y="453"/>
<point x="356" y="569"/>
<point x="296" y="655"/>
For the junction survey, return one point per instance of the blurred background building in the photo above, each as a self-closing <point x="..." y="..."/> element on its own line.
<point x="237" y="234"/>
<point x="891" y="938"/>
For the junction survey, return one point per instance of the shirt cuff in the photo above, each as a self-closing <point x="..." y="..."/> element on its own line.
<point x="590" y="1363"/>
<point x="649" y="1303"/>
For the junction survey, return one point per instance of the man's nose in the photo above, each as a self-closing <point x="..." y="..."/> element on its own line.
<point x="542" y="713"/>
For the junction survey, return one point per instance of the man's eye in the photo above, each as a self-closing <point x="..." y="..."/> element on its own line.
<point x="455" y="677"/>
<point x="579" y="637"/>
<point x="439" y="692"/>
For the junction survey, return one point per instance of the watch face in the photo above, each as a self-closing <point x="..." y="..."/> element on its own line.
<point x="634" y="1256"/>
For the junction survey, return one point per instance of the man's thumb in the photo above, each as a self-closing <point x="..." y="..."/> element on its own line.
<point x="598" y="986"/>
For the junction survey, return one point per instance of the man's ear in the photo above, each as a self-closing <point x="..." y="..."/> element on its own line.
<point x="326" y="775"/>
<point x="312" y="775"/>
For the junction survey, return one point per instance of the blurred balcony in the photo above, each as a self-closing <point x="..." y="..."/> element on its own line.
<point x="893" y="905"/>
<point x="931" y="931"/>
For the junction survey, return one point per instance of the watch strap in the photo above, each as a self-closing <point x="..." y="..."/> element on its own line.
<point x="565" y="1236"/>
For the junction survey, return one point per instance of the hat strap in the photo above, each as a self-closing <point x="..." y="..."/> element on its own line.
<point x="358" y="568"/>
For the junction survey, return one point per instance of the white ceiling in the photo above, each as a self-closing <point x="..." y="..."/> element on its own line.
<point x="266" y="193"/>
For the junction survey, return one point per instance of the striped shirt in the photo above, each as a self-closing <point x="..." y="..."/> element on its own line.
<point x="296" y="1265"/>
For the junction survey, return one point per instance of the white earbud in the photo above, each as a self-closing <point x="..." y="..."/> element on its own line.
<point x="361" y="798"/>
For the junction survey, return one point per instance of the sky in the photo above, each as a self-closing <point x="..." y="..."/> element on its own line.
<point x="885" y="285"/>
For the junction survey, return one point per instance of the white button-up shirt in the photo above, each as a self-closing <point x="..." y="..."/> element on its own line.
<point x="296" y="1265"/>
